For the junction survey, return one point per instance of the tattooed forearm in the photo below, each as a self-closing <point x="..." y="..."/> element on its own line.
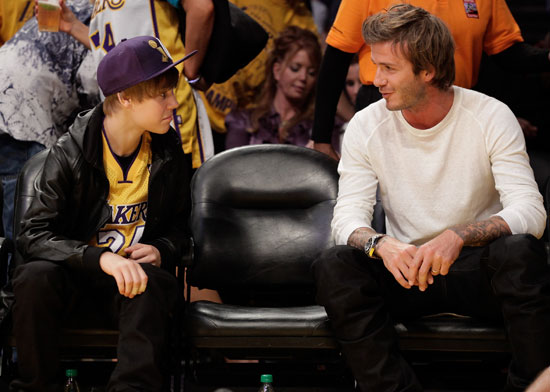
<point x="359" y="237"/>
<point x="483" y="232"/>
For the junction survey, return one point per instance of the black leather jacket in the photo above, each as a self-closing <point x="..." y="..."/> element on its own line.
<point x="72" y="202"/>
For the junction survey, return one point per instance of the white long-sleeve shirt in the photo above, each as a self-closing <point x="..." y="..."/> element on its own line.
<point x="469" y="167"/>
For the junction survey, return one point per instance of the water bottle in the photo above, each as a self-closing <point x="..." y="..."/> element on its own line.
<point x="266" y="380"/>
<point x="71" y="385"/>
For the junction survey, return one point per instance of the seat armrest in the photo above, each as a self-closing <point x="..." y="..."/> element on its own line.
<point x="185" y="263"/>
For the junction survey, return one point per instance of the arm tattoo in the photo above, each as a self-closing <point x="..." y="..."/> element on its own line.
<point x="359" y="237"/>
<point x="483" y="232"/>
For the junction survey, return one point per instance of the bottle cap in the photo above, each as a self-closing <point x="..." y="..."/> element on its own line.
<point x="266" y="378"/>
<point x="71" y="372"/>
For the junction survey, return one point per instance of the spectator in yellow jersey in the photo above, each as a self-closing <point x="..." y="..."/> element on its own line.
<point x="122" y="171"/>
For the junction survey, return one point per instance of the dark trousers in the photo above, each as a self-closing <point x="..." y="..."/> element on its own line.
<point x="507" y="281"/>
<point x="49" y="297"/>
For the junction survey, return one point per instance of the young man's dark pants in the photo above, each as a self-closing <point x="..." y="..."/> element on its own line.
<point x="47" y="293"/>
<point x="507" y="280"/>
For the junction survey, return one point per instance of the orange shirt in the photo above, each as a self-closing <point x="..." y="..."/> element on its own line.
<point x="477" y="26"/>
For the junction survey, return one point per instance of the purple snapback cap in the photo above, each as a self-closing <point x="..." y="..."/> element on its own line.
<point x="133" y="61"/>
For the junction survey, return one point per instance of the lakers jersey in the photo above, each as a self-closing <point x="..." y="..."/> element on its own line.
<point x="128" y="192"/>
<point x="114" y="20"/>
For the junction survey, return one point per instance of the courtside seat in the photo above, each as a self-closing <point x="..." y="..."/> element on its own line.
<point x="230" y="326"/>
<point x="261" y="215"/>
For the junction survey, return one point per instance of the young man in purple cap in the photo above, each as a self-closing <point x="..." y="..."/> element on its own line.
<point x="110" y="223"/>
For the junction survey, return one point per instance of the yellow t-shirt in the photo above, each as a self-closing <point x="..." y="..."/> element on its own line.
<point x="13" y="14"/>
<point x="477" y="26"/>
<point x="128" y="196"/>
<point x="273" y="16"/>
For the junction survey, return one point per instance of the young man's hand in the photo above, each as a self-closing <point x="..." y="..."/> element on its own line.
<point x="435" y="257"/>
<point x="397" y="257"/>
<point x="142" y="253"/>
<point x="130" y="277"/>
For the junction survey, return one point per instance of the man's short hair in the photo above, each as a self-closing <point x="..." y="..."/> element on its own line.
<point x="422" y="37"/>
<point x="147" y="89"/>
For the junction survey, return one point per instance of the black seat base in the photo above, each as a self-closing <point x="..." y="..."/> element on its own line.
<point x="213" y="325"/>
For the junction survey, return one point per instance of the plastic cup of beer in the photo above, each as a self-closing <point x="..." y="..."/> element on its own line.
<point x="48" y="15"/>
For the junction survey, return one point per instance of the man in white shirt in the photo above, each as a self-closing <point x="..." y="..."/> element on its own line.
<point x="463" y="212"/>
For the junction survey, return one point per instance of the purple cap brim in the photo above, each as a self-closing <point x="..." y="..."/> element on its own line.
<point x="172" y="65"/>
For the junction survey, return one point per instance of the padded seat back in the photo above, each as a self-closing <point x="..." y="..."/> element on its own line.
<point x="261" y="214"/>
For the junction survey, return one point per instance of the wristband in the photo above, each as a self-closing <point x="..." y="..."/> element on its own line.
<point x="194" y="81"/>
<point x="371" y="244"/>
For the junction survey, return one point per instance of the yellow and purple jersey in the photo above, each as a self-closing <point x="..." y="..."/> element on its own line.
<point x="128" y="195"/>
